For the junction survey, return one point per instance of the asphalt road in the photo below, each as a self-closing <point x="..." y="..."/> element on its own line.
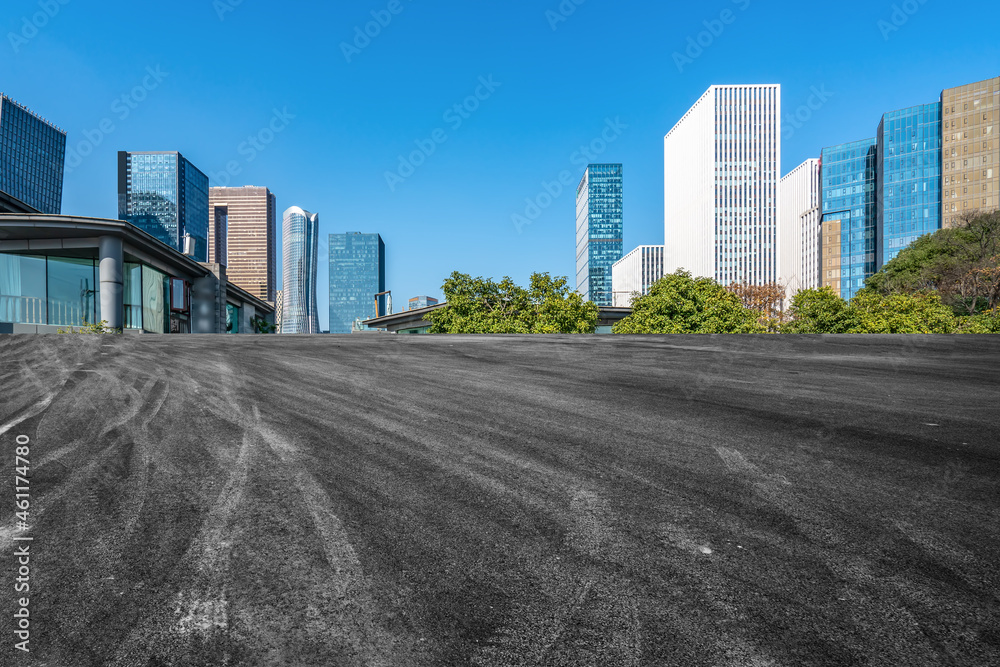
<point x="504" y="501"/>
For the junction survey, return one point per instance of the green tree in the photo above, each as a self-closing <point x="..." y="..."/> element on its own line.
<point x="483" y="306"/>
<point x="680" y="304"/>
<point x="982" y="323"/>
<point x="822" y="311"/>
<point x="921" y="313"/>
<point x="961" y="263"/>
<point x="816" y="311"/>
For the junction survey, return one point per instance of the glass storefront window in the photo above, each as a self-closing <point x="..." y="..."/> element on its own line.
<point x="72" y="291"/>
<point x="232" y="319"/>
<point x="22" y="289"/>
<point x="178" y="295"/>
<point x="155" y="299"/>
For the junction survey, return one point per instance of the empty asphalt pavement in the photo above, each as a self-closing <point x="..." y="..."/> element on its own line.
<point x="503" y="501"/>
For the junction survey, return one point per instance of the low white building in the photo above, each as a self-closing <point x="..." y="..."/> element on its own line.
<point x="636" y="272"/>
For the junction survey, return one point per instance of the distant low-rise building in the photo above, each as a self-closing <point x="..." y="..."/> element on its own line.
<point x="418" y="302"/>
<point x="61" y="271"/>
<point x="635" y="273"/>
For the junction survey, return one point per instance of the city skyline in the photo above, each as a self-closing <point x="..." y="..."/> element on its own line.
<point x="447" y="215"/>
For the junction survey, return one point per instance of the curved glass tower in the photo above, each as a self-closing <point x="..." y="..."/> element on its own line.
<point x="300" y="239"/>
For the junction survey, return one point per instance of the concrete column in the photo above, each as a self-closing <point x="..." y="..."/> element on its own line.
<point x="112" y="258"/>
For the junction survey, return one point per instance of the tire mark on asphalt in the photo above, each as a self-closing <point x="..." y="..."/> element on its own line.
<point x="738" y="464"/>
<point x="529" y="635"/>
<point x="45" y="502"/>
<point x="888" y="600"/>
<point x="199" y="609"/>
<point x="34" y="410"/>
<point x="355" y="616"/>
<point x="201" y="605"/>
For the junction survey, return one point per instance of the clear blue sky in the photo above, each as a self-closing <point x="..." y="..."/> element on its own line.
<point x="224" y="77"/>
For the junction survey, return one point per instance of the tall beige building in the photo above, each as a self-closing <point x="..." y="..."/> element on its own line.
<point x="970" y="155"/>
<point x="242" y="232"/>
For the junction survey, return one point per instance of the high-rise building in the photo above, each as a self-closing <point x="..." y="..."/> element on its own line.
<point x="300" y="248"/>
<point x="799" y="229"/>
<point x="599" y="231"/>
<point x="848" y="183"/>
<point x="166" y="196"/>
<point x="32" y="158"/>
<point x="722" y="164"/>
<point x="908" y="181"/>
<point x="635" y="273"/>
<point x="970" y="159"/>
<point x="243" y="226"/>
<point x="357" y="274"/>
<point x="418" y="302"/>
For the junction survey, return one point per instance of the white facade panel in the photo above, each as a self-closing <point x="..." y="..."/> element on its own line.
<point x="722" y="164"/>
<point x="635" y="273"/>
<point x="798" y="264"/>
<point x="583" y="237"/>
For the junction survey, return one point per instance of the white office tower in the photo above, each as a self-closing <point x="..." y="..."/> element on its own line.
<point x="799" y="229"/>
<point x="722" y="163"/>
<point x="635" y="273"/>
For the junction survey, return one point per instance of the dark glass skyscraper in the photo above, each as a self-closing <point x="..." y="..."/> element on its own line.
<point x="357" y="274"/>
<point x="909" y="178"/>
<point x="848" y="180"/>
<point x="599" y="231"/>
<point x="32" y="157"/>
<point x="300" y="241"/>
<point x="166" y="196"/>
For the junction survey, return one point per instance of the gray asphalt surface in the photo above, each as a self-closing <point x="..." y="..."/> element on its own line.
<point x="502" y="501"/>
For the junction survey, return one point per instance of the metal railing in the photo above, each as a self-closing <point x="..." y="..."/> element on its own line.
<point x="22" y="309"/>
<point x="36" y="310"/>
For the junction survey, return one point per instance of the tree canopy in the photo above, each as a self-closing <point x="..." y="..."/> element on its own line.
<point x="484" y="306"/>
<point x="961" y="263"/>
<point x="681" y="304"/>
<point x="822" y="311"/>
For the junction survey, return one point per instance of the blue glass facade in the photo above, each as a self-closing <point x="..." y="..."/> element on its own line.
<point x="166" y="196"/>
<point x="599" y="231"/>
<point x="300" y="241"/>
<point x="32" y="157"/>
<point x="848" y="182"/>
<point x="909" y="178"/>
<point x="357" y="274"/>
